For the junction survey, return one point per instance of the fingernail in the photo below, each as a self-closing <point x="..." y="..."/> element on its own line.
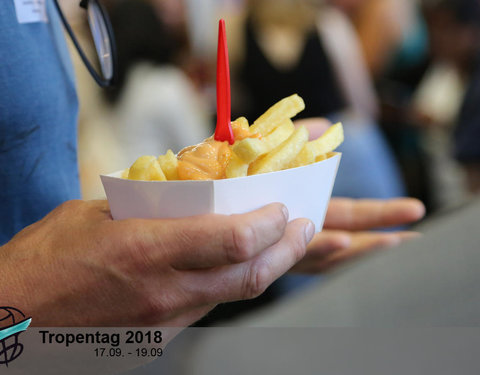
<point x="285" y="212"/>
<point x="309" y="231"/>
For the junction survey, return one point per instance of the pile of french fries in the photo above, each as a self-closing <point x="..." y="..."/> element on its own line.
<point x="275" y="144"/>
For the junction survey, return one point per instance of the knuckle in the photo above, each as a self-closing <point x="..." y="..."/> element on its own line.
<point x="72" y="205"/>
<point x="154" y="309"/>
<point x="241" y="246"/>
<point x="67" y="212"/>
<point x="298" y="247"/>
<point x="132" y="251"/>
<point x="257" y="280"/>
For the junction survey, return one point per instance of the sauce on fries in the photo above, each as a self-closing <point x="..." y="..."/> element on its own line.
<point x="205" y="161"/>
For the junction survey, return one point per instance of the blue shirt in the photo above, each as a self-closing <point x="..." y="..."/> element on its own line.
<point x="38" y="115"/>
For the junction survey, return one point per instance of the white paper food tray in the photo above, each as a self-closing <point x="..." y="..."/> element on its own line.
<point x="304" y="190"/>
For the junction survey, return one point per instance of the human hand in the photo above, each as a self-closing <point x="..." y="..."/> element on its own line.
<point x="78" y="267"/>
<point x="346" y="232"/>
<point x="316" y="126"/>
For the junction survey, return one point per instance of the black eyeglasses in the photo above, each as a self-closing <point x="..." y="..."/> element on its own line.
<point x="103" y="39"/>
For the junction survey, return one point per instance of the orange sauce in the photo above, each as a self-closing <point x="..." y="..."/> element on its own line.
<point x="205" y="161"/>
<point x="209" y="159"/>
<point x="240" y="133"/>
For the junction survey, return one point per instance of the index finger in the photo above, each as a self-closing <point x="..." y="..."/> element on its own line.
<point x="351" y="214"/>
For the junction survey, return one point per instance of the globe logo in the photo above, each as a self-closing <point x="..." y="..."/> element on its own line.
<point x="12" y="323"/>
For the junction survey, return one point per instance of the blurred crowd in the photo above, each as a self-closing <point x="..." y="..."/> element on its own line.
<point x="402" y="75"/>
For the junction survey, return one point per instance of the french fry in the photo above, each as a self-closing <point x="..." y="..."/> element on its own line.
<point x="284" y="109"/>
<point x="320" y="148"/>
<point x="250" y="149"/>
<point x="305" y="157"/>
<point x="169" y="165"/>
<point x="327" y="142"/>
<point x="125" y="173"/>
<point x="240" y="123"/>
<point x="236" y="167"/>
<point x="282" y="155"/>
<point x="321" y="157"/>
<point x="324" y="156"/>
<point x="146" y="168"/>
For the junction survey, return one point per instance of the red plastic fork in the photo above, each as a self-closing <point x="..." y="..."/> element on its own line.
<point x="223" y="131"/>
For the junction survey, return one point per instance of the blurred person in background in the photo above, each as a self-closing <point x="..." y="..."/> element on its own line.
<point x="460" y="45"/>
<point x="467" y="135"/>
<point x="287" y="47"/>
<point x="393" y="39"/>
<point x="384" y="28"/>
<point x="422" y="101"/>
<point x="436" y="105"/>
<point x="364" y="142"/>
<point x="155" y="105"/>
<point x="283" y="53"/>
<point x="146" y="112"/>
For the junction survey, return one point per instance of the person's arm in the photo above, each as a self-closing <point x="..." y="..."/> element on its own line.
<point x="78" y="267"/>
<point x="380" y="26"/>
